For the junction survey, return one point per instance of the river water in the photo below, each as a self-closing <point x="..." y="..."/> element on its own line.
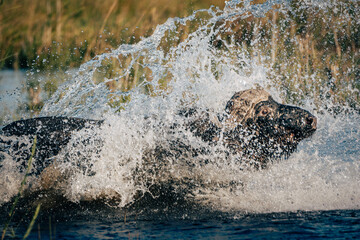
<point x="314" y="193"/>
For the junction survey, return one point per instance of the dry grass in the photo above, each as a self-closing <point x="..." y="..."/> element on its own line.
<point x="64" y="33"/>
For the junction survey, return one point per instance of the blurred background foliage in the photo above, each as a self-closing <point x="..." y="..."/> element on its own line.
<point x="48" y="34"/>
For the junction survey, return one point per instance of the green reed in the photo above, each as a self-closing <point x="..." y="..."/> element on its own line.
<point x="12" y="210"/>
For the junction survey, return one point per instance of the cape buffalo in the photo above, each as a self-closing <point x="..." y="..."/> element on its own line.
<point x="252" y="125"/>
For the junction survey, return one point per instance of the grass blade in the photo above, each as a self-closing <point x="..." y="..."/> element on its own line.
<point x="12" y="211"/>
<point x="32" y="221"/>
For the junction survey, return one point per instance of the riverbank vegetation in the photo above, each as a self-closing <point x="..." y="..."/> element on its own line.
<point x="63" y="33"/>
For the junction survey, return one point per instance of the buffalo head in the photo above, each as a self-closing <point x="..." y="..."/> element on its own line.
<point x="262" y="129"/>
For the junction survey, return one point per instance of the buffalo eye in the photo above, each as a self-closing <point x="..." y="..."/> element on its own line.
<point x="265" y="111"/>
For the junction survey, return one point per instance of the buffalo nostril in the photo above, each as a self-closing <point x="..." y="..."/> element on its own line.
<point x="311" y="121"/>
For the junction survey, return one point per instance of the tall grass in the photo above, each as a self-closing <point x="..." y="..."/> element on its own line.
<point x="63" y="33"/>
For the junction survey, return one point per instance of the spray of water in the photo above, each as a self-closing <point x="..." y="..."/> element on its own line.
<point x="117" y="160"/>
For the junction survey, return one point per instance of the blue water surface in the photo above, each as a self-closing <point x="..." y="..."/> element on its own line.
<point x="335" y="224"/>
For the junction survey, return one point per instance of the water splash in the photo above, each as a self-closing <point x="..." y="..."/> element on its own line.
<point x="321" y="175"/>
<point x="138" y="89"/>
